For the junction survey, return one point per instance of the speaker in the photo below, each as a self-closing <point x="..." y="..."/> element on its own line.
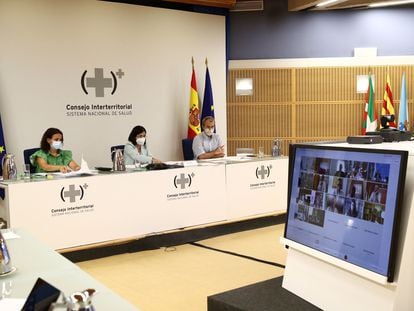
<point x="364" y="139"/>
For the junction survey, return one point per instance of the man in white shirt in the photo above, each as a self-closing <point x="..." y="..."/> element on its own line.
<point x="207" y="144"/>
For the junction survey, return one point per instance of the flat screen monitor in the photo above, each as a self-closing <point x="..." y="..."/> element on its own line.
<point x="345" y="202"/>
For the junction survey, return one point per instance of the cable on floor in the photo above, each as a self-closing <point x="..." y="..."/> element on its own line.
<point x="238" y="255"/>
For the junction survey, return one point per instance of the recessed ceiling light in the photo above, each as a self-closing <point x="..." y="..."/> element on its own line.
<point x="325" y="3"/>
<point x="389" y="3"/>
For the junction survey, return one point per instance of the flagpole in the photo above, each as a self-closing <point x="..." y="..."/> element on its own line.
<point x="192" y="61"/>
<point x="206" y="62"/>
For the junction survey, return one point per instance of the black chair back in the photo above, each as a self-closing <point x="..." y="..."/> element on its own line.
<point x="187" y="144"/>
<point x="26" y="156"/>
<point x="113" y="148"/>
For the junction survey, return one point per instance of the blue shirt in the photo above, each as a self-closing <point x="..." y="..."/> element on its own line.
<point x="131" y="154"/>
<point x="203" y="143"/>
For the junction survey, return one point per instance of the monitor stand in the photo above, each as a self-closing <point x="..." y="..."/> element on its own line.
<point x="332" y="288"/>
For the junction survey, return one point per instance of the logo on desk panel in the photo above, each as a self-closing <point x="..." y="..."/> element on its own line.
<point x="72" y="193"/>
<point x="263" y="171"/>
<point x="263" y="177"/>
<point x="72" y="196"/>
<point x="98" y="82"/>
<point x="183" y="181"/>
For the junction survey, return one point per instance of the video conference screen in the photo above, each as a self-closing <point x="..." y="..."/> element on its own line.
<point x="345" y="202"/>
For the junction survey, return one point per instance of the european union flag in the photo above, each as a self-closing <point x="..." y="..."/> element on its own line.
<point x="2" y="153"/>
<point x="208" y="104"/>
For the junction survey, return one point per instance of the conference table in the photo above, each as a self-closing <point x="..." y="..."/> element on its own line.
<point x="33" y="259"/>
<point x="69" y="212"/>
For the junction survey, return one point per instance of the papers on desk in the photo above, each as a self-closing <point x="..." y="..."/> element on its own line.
<point x="84" y="170"/>
<point x="239" y="158"/>
<point x="9" y="234"/>
<point x="12" y="304"/>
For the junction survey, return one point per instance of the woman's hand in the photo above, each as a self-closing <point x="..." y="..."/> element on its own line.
<point x="64" y="169"/>
<point x="154" y="160"/>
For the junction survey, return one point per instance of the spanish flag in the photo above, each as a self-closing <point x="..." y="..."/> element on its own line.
<point x="194" y="114"/>
<point x="388" y="104"/>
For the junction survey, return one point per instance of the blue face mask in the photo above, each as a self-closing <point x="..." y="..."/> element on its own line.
<point x="56" y="144"/>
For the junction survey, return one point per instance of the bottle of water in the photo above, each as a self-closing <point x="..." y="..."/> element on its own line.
<point x="276" y="148"/>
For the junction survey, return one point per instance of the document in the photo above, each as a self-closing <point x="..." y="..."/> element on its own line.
<point x="84" y="170"/>
<point x="12" y="304"/>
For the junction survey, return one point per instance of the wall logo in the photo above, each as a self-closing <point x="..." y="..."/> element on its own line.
<point x="183" y="180"/>
<point x="263" y="172"/>
<point x="72" y="193"/>
<point x="99" y="82"/>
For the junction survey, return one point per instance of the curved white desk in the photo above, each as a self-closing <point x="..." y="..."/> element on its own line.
<point x="34" y="259"/>
<point x="70" y="212"/>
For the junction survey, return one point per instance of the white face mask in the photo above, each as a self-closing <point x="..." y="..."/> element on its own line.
<point x="56" y="144"/>
<point x="209" y="132"/>
<point x="140" y="141"/>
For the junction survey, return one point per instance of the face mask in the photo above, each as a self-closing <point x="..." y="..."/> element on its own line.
<point x="140" y="141"/>
<point x="209" y="132"/>
<point x="56" y="144"/>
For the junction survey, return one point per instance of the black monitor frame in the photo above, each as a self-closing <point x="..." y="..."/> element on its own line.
<point x="398" y="201"/>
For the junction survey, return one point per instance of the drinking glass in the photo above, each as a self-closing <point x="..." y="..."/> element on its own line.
<point x="261" y="152"/>
<point x="26" y="171"/>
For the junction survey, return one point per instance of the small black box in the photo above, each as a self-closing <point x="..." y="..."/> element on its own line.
<point x="364" y="139"/>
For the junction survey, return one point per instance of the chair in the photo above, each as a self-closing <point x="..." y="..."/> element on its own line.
<point x="26" y="156"/>
<point x="187" y="144"/>
<point x="113" y="148"/>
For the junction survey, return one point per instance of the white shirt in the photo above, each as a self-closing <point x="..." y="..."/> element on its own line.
<point x="203" y="143"/>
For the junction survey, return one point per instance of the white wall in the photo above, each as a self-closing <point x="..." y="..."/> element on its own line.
<point x="322" y="62"/>
<point x="46" y="45"/>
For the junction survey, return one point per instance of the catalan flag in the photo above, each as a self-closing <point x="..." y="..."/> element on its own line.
<point x="194" y="114"/>
<point x="388" y="103"/>
<point x="370" y="114"/>
<point x="208" y="103"/>
<point x="403" y="124"/>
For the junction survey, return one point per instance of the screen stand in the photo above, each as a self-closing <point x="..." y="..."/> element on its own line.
<point x="332" y="288"/>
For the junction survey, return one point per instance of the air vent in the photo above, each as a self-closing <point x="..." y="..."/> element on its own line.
<point x="247" y="5"/>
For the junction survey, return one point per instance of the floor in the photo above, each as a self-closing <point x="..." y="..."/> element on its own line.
<point x="181" y="278"/>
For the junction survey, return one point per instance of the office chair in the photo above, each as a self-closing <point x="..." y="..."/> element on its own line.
<point x="187" y="144"/>
<point x="26" y="156"/>
<point x="113" y="148"/>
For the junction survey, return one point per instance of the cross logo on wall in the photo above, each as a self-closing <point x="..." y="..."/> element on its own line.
<point x="99" y="82"/>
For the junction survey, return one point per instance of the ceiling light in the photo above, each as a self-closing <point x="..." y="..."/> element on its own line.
<point x="326" y="3"/>
<point x="389" y="3"/>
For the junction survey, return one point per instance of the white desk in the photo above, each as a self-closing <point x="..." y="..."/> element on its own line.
<point x="33" y="259"/>
<point x="256" y="187"/>
<point x="70" y="212"/>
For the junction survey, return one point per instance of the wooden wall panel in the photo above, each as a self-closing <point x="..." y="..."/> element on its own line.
<point x="306" y="104"/>
<point x="258" y="120"/>
<point x="269" y="85"/>
<point x="329" y="120"/>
